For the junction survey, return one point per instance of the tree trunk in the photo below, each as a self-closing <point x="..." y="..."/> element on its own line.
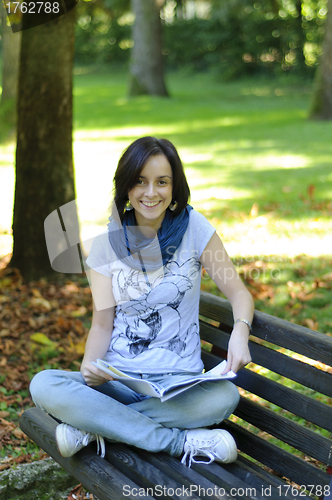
<point x="11" y="44"/>
<point x="321" y="106"/>
<point x="300" y="58"/>
<point x="146" y="72"/>
<point x="44" y="166"/>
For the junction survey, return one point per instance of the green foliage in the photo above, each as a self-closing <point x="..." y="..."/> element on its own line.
<point x="244" y="37"/>
<point x="240" y="37"/>
<point x="102" y="34"/>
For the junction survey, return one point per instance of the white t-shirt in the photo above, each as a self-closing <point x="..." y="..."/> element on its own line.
<point x="156" y="327"/>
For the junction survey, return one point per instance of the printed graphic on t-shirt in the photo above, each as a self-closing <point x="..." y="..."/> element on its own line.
<point x="146" y="304"/>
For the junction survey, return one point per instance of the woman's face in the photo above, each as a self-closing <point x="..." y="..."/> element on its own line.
<point x="153" y="192"/>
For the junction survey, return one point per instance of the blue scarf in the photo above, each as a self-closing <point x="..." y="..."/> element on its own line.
<point x="146" y="254"/>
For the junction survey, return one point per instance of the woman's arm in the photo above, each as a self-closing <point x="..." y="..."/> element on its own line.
<point x="221" y="269"/>
<point x="99" y="337"/>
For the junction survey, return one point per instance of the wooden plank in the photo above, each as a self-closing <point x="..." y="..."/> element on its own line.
<point x="96" y="474"/>
<point x="265" y="484"/>
<point x="295" y="370"/>
<point x="190" y="479"/>
<point x="250" y="477"/>
<point x="279" y="460"/>
<point x="257" y="474"/>
<point x="297" y="338"/>
<point x="304" y="406"/>
<point x="298" y="436"/>
<point x="218" y="474"/>
<point x="149" y="478"/>
<point x="242" y="469"/>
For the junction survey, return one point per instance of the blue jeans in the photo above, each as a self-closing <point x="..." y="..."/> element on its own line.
<point x="117" y="413"/>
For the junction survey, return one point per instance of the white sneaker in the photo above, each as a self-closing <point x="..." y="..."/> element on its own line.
<point x="216" y="444"/>
<point x="70" y="440"/>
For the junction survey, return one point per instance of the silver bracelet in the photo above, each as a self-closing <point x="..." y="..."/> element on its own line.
<point x="243" y="321"/>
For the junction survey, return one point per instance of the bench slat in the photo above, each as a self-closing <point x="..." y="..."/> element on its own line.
<point x="291" y="368"/>
<point x="304" y="406"/>
<point x="95" y="473"/>
<point x="241" y="469"/>
<point x="286" y="430"/>
<point x="239" y="475"/>
<point x="223" y="478"/>
<point x="184" y="475"/>
<point x="248" y="467"/>
<point x="294" y="369"/>
<point x="281" y="461"/>
<point x="294" y="337"/>
<point x="142" y="472"/>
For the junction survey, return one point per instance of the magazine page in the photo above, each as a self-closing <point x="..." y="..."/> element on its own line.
<point x="170" y="387"/>
<point x="136" y="384"/>
<point x="175" y="385"/>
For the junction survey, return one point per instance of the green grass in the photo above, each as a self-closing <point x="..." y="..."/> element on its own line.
<point x="242" y="144"/>
<point x="249" y="151"/>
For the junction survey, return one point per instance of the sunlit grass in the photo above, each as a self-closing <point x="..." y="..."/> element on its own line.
<point x="257" y="168"/>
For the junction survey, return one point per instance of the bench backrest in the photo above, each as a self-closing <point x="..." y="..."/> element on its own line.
<point x="292" y="369"/>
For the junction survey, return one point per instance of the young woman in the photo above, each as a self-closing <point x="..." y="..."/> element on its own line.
<point x="145" y="279"/>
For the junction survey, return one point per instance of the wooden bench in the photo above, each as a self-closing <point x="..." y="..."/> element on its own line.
<point x="263" y="468"/>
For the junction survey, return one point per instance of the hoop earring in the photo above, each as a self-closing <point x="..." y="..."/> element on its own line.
<point x="128" y="206"/>
<point x="173" y="206"/>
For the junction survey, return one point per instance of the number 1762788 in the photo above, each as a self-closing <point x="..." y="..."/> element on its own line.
<point x="317" y="490"/>
<point x="33" y="7"/>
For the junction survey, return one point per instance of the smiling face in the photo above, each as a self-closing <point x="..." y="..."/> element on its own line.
<point x="153" y="192"/>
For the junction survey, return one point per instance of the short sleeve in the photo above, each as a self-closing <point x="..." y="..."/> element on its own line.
<point x="201" y="231"/>
<point x="101" y="255"/>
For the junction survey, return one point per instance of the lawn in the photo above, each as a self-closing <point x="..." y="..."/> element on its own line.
<point x="257" y="168"/>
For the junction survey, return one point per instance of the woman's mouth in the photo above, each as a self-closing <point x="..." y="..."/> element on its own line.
<point x="150" y="204"/>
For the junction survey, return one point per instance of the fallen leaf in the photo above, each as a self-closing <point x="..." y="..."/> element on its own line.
<point x="18" y="433"/>
<point x="39" y="302"/>
<point x="82" y="311"/>
<point x="313" y="325"/>
<point x="41" y="338"/>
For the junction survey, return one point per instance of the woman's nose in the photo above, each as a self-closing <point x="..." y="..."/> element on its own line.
<point x="150" y="190"/>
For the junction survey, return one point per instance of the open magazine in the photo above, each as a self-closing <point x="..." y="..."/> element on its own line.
<point x="170" y="387"/>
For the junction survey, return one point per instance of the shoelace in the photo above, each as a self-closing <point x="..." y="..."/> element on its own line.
<point x="100" y="446"/>
<point x="91" y="437"/>
<point x="195" y="449"/>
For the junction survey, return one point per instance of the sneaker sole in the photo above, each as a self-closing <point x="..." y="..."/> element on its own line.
<point x="231" y="447"/>
<point x="60" y="438"/>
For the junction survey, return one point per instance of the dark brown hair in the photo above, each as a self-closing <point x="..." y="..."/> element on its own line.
<point x="132" y="163"/>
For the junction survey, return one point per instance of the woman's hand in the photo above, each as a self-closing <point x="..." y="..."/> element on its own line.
<point x="92" y="376"/>
<point x="238" y="354"/>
